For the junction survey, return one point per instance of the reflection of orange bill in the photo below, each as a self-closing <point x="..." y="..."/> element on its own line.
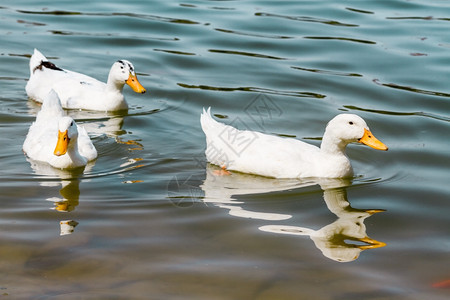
<point x="372" y="244"/>
<point x="134" y="83"/>
<point x="62" y="144"/>
<point x="445" y="284"/>
<point x="62" y="206"/>
<point x="370" y="140"/>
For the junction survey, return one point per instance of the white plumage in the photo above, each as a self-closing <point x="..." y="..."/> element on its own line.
<point x="56" y="139"/>
<point x="79" y="91"/>
<point x="267" y="155"/>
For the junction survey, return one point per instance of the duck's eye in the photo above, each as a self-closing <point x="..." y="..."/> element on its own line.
<point x="351" y="123"/>
<point x="121" y="67"/>
<point x="71" y="124"/>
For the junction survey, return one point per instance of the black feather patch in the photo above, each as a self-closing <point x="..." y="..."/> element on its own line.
<point x="48" y="65"/>
<point x="126" y="64"/>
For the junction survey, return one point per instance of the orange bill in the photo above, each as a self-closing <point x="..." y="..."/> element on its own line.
<point x="371" y="141"/>
<point x="133" y="82"/>
<point x="62" y="144"/>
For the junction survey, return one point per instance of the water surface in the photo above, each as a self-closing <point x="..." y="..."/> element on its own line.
<point x="149" y="219"/>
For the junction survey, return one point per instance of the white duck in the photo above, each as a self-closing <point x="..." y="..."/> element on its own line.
<point x="56" y="139"/>
<point x="267" y="155"/>
<point x="78" y="91"/>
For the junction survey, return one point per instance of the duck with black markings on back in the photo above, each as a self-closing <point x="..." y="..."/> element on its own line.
<point x="79" y="91"/>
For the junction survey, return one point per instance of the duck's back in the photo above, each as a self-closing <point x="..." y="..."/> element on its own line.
<point x="70" y="86"/>
<point x="42" y="135"/>
<point x="74" y="89"/>
<point x="257" y="153"/>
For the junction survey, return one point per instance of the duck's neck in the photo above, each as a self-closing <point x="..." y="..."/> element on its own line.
<point x="114" y="96"/>
<point x="73" y="153"/>
<point x="113" y="85"/>
<point x="332" y="145"/>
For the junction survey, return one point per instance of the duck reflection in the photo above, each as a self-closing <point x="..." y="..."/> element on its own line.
<point x="342" y="241"/>
<point x="221" y="189"/>
<point x="67" y="226"/>
<point x="69" y="180"/>
<point x="70" y="193"/>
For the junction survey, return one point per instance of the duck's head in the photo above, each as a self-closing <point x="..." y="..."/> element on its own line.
<point x="350" y="128"/>
<point x="67" y="133"/>
<point x="122" y="71"/>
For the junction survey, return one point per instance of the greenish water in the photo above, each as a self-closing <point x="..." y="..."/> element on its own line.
<point x="150" y="220"/>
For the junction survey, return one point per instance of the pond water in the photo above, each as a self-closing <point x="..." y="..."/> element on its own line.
<point x="149" y="219"/>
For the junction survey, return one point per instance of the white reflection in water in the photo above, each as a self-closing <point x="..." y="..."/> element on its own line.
<point x="67" y="226"/>
<point x="112" y="127"/>
<point x="99" y="124"/>
<point x="220" y="188"/>
<point x="342" y="241"/>
<point x="69" y="192"/>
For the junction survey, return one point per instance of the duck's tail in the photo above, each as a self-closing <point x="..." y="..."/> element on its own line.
<point x="36" y="60"/>
<point x="205" y="118"/>
<point x="39" y="61"/>
<point x="209" y="125"/>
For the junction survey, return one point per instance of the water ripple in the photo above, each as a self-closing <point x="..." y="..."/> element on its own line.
<point x="411" y="89"/>
<point x="234" y="52"/>
<point x="174" y="52"/>
<point x="153" y="17"/>
<point x="12" y="78"/>
<point x="359" y="10"/>
<point x="132" y="15"/>
<point x="74" y="33"/>
<point x="328" y="72"/>
<point x="52" y="12"/>
<point x="31" y="23"/>
<point x="253" y="34"/>
<point x="340" y="39"/>
<point x="427" y="18"/>
<point x="385" y="112"/>
<point x="252" y="89"/>
<point x="307" y="19"/>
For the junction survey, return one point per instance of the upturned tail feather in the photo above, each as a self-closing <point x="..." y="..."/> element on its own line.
<point x="36" y="60"/>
